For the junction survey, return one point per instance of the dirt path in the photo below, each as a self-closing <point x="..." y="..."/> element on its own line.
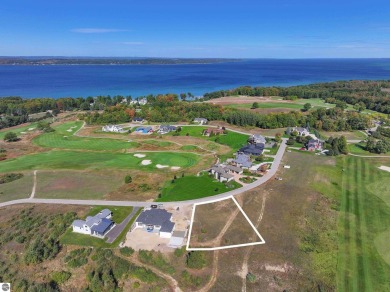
<point x="171" y="281"/>
<point x="244" y="269"/>
<point x="34" y="186"/>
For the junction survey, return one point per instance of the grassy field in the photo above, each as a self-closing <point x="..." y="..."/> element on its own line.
<point x="359" y="149"/>
<point x="353" y="135"/>
<point x="364" y="223"/>
<point x="95" y="160"/>
<point x="18" y="129"/>
<point x="193" y="187"/>
<point x="76" y="184"/>
<point x="64" y="138"/>
<point x="18" y="189"/>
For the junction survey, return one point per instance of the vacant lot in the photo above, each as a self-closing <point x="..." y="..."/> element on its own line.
<point x="17" y="189"/>
<point x="77" y="184"/>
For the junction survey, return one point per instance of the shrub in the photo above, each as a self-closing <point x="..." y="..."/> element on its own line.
<point x="60" y="277"/>
<point x="10" y="137"/>
<point x="250" y="277"/>
<point x="128" y="179"/>
<point x="179" y="252"/>
<point x="126" y="251"/>
<point x="8" y="177"/>
<point x="196" y="260"/>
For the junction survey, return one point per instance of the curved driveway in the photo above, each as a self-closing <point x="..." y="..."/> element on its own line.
<point x="258" y="182"/>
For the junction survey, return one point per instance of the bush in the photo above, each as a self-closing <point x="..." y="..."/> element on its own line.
<point x="10" y="137"/>
<point x="250" y="277"/>
<point x="126" y="251"/>
<point x="128" y="179"/>
<point x="60" y="277"/>
<point x="8" y="177"/>
<point x="196" y="260"/>
<point x="179" y="252"/>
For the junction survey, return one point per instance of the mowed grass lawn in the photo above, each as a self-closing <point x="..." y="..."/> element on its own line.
<point x="363" y="225"/>
<point x="194" y="187"/>
<point x="232" y="139"/>
<point x="17" y="189"/>
<point x="97" y="160"/>
<point x="59" y="184"/>
<point x="64" y="138"/>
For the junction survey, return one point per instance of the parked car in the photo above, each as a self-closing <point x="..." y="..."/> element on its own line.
<point x="153" y="206"/>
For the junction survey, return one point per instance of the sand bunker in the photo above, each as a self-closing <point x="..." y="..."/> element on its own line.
<point x="23" y="132"/>
<point x="65" y="136"/>
<point x="175" y="167"/>
<point x="161" y="166"/>
<point x="70" y="130"/>
<point x="139" y="155"/>
<point x="385" y="168"/>
<point x="30" y="129"/>
<point x="146" y="162"/>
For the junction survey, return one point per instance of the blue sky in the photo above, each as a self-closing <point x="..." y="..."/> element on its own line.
<point x="213" y="28"/>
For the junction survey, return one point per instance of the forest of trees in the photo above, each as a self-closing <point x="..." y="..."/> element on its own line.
<point x="373" y="95"/>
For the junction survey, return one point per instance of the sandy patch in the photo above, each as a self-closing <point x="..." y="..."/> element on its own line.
<point x="146" y="162"/>
<point x="175" y="167"/>
<point x="139" y="155"/>
<point x="23" y="132"/>
<point x="30" y="129"/>
<point x="65" y="136"/>
<point x="385" y="168"/>
<point x="161" y="166"/>
<point x="69" y="130"/>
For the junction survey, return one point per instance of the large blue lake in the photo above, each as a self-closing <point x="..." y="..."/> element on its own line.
<point x="137" y="80"/>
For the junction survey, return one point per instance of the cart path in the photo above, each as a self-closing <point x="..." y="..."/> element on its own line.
<point x="34" y="185"/>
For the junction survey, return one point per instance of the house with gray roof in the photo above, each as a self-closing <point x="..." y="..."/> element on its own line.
<point x="252" y="149"/>
<point x="156" y="221"/>
<point x="257" y="139"/>
<point x="164" y="129"/>
<point x="97" y="225"/>
<point x="243" y="160"/>
<point x="220" y="173"/>
<point x="300" y="130"/>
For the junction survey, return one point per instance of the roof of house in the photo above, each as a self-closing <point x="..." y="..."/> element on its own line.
<point x="167" y="127"/>
<point x="154" y="217"/>
<point x="234" y="168"/>
<point x="103" y="225"/>
<point x="259" y="138"/>
<point x="167" y="226"/>
<point x="78" y="223"/>
<point x="91" y="221"/>
<point x="104" y="213"/>
<point x="243" y="159"/>
<point x="138" y="119"/>
<point x="252" y="149"/>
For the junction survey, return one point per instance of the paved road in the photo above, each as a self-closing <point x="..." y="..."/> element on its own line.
<point x="260" y="181"/>
<point x="114" y="232"/>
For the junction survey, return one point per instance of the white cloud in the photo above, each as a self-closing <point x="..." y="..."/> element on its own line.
<point x="96" y="30"/>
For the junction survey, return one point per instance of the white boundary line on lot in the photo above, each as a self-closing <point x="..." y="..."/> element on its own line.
<point x="227" y="246"/>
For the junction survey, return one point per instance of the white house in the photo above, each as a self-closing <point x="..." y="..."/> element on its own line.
<point x="164" y="129"/>
<point x="97" y="225"/>
<point x="201" y="121"/>
<point x="300" y="130"/>
<point x="221" y="174"/>
<point x="155" y="221"/>
<point x="257" y="139"/>
<point x="113" y="128"/>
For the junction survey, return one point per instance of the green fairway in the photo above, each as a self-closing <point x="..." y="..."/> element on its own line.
<point x="18" y="130"/>
<point x="97" y="160"/>
<point x="64" y="138"/>
<point x="267" y="105"/>
<point x="194" y="187"/>
<point x="364" y="221"/>
<point x="157" y="143"/>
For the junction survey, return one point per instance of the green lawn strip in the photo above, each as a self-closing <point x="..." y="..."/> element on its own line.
<point x="274" y="150"/>
<point x="188" y="147"/>
<point x="157" y="143"/>
<point x="72" y="238"/>
<point x="18" y="129"/>
<point x="359" y="149"/>
<point x="382" y="245"/>
<point x="194" y="187"/>
<point x="17" y="189"/>
<point x="97" y="160"/>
